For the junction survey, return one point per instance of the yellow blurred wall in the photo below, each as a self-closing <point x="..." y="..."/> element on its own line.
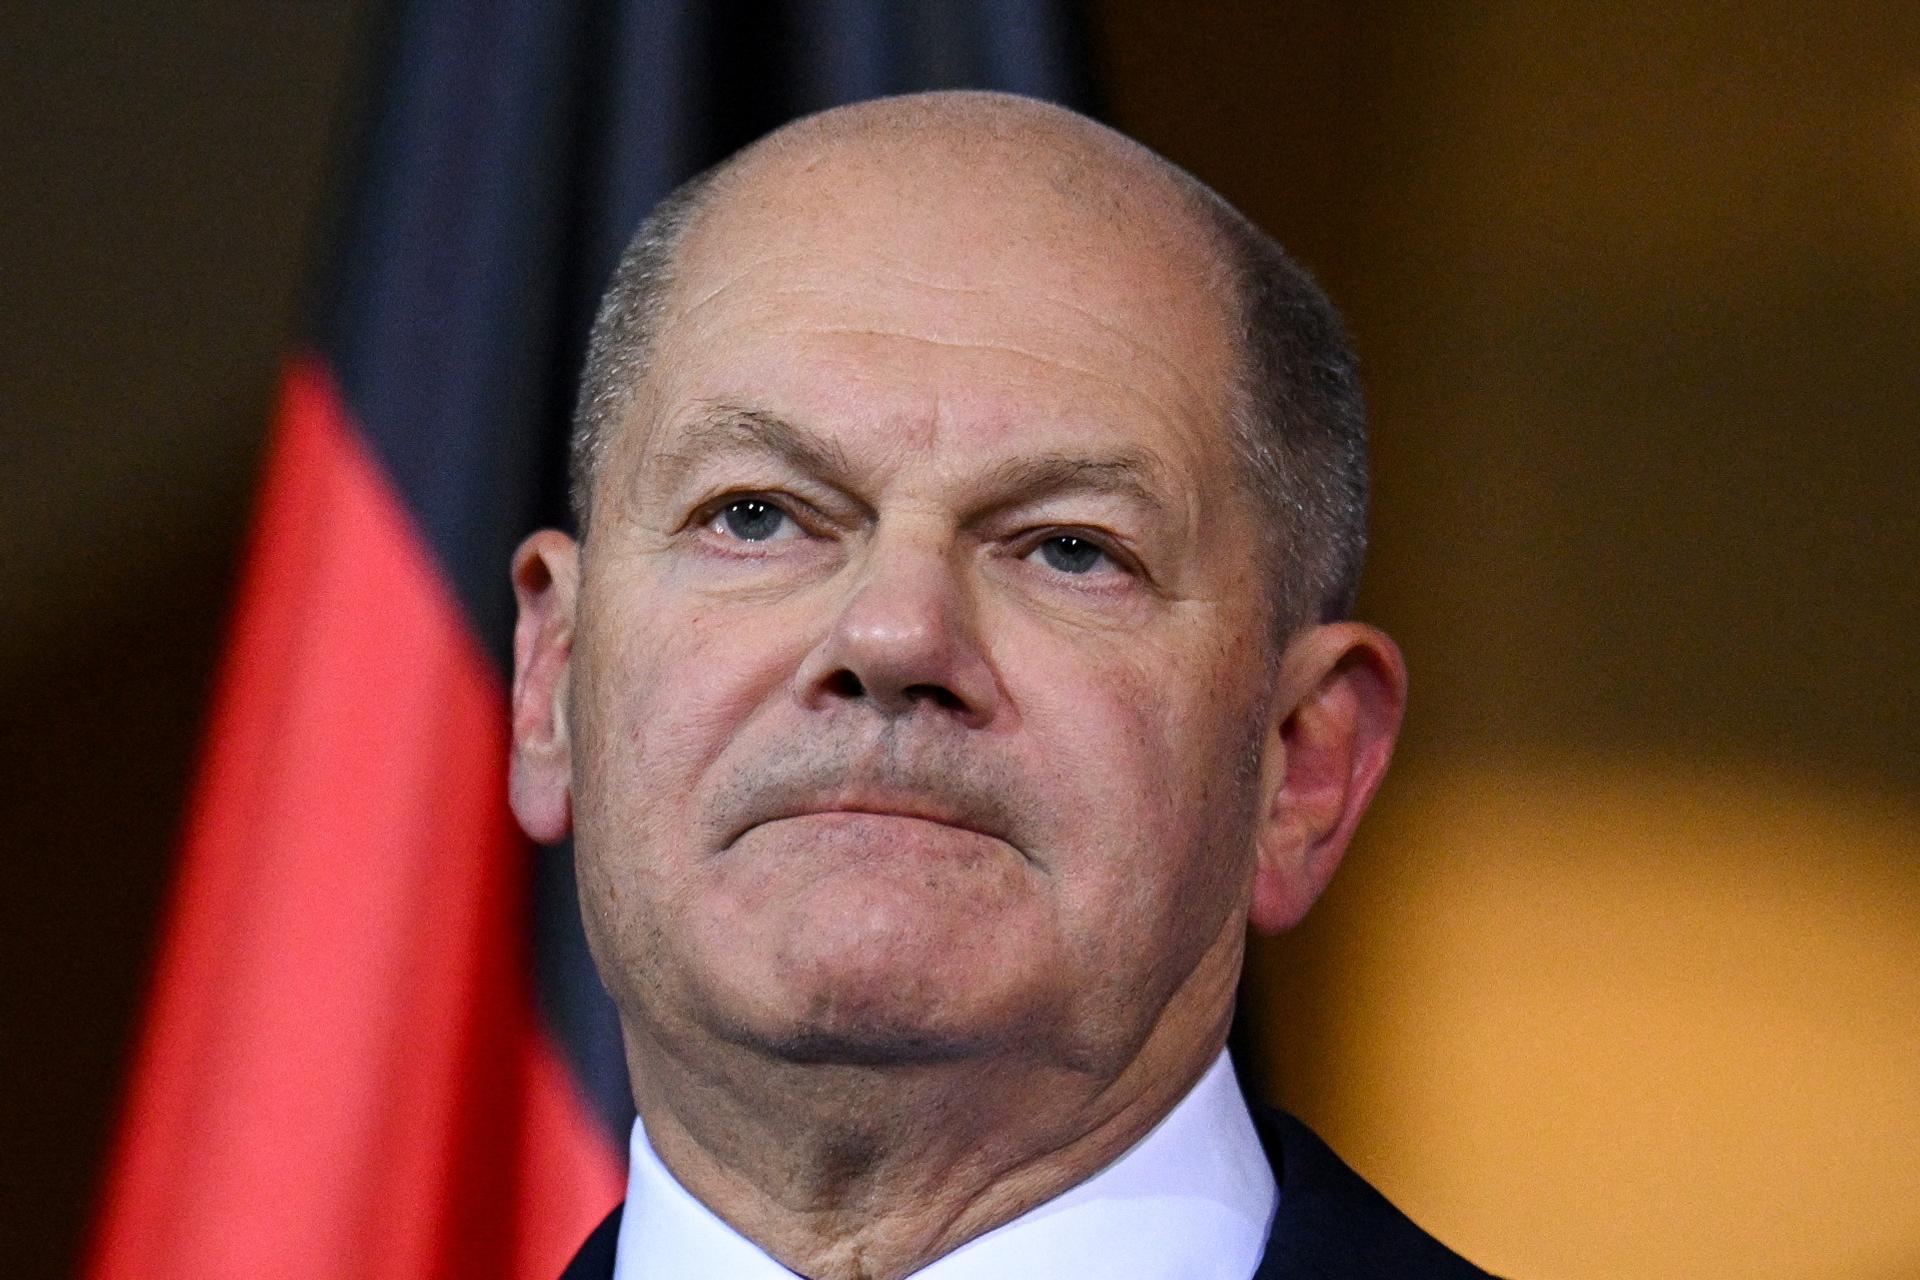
<point x="1623" y="977"/>
<point x="1585" y="1017"/>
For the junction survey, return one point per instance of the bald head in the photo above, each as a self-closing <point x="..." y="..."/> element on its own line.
<point x="983" y="144"/>
<point x="965" y="186"/>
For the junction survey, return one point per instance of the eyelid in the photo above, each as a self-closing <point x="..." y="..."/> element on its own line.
<point x="1109" y="545"/>
<point x="802" y="513"/>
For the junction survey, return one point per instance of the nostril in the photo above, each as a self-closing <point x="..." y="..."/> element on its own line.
<point x="843" y="683"/>
<point x="939" y="695"/>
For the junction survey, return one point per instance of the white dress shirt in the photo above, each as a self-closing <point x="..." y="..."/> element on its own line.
<point x="1191" y="1200"/>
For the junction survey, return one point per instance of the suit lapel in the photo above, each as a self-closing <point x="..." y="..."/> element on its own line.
<point x="595" y="1259"/>
<point x="1332" y="1225"/>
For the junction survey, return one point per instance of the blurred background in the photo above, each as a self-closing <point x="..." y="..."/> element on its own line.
<point x="1623" y="978"/>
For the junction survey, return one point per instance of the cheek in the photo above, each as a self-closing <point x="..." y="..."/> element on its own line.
<point x="1143" y="766"/>
<point x="664" y="686"/>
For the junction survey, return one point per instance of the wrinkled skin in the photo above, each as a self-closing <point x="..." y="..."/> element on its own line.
<point x="914" y="700"/>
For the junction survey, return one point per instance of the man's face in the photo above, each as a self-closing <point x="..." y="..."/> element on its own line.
<point x="919" y="669"/>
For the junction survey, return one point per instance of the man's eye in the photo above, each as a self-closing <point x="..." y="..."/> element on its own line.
<point x="1068" y="554"/>
<point x="753" y="520"/>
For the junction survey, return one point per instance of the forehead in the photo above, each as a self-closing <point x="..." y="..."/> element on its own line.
<point x="981" y="284"/>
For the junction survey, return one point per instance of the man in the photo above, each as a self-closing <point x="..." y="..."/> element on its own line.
<point x="951" y="665"/>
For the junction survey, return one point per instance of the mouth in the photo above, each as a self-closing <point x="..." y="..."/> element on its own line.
<point x="885" y="811"/>
<point x="908" y="808"/>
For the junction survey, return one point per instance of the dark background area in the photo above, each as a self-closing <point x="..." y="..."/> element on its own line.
<point x="1638" y="294"/>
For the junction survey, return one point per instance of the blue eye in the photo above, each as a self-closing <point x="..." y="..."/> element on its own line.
<point x="750" y="520"/>
<point x="1069" y="554"/>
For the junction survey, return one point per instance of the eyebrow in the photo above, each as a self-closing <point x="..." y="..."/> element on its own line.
<point x="723" y="429"/>
<point x="1124" y="474"/>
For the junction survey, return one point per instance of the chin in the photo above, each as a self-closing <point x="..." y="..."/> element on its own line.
<point x="862" y="1014"/>
<point x="857" y="1027"/>
<point x="870" y="1047"/>
<point x="869" y="966"/>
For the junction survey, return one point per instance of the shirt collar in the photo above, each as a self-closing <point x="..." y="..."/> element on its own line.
<point x="1193" y="1199"/>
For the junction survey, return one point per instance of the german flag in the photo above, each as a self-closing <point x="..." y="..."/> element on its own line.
<point x="375" y="1045"/>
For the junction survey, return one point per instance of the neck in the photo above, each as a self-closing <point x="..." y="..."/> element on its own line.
<point x="861" y="1172"/>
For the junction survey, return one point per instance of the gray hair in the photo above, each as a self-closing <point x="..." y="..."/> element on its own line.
<point x="1298" y="427"/>
<point x="623" y="334"/>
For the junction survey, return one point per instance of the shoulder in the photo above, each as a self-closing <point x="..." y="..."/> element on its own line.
<point x="1333" y="1225"/>
<point x="595" y="1259"/>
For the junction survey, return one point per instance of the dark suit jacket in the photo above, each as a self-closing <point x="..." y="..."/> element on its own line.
<point x="1331" y="1224"/>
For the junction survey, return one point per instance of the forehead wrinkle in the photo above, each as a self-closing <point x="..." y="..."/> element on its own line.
<point x="880" y="265"/>
<point x="743" y="272"/>
<point x="742" y="269"/>
<point x="1130" y="386"/>
<point x="1120" y="331"/>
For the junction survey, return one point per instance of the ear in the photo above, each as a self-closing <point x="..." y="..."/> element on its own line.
<point x="546" y="579"/>
<point x="1341" y="692"/>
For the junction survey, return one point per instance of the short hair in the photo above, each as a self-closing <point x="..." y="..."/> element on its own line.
<point x="623" y="334"/>
<point x="1298" y="426"/>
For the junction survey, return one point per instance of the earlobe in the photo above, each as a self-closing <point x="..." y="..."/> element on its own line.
<point x="1343" y="690"/>
<point x="545" y="588"/>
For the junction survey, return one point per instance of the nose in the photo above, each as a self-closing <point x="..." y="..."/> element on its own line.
<point x="904" y="638"/>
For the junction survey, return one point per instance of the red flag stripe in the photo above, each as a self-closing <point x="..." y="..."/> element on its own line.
<point x="343" y="1074"/>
